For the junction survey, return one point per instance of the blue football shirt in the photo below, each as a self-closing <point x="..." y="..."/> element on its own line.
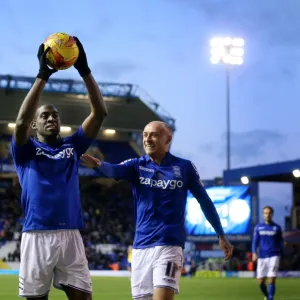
<point x="160" y="193"/>
<point x="268" y="239"/>
<point x="50" y="182"/>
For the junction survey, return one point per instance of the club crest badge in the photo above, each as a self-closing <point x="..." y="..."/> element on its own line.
<point x="177" y="171"/>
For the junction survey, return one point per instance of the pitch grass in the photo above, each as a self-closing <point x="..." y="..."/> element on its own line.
<point x="190" y="289"/>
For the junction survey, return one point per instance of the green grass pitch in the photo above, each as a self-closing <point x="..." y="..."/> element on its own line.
<point x="190" y="289"/>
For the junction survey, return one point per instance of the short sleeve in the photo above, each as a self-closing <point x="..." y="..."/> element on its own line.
<point x="80" y="141"/>
<point x="23" y="153"/>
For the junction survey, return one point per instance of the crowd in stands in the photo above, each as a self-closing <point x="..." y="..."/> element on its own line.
<point x="108" y="228"/>
<point x="242" y="261"/>
<point x="10" y="210"/>
<point x="107" y="209"/>
<point x="108" y="219"/>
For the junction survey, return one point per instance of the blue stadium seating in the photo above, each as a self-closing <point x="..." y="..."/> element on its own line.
<point x="116" y="152"/>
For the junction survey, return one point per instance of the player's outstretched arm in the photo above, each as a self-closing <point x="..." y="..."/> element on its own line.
<point x="197" y="189"/>
<point x="30" y="103"/>
<point x="125" y="170"/>
<point x="93" y="122"/>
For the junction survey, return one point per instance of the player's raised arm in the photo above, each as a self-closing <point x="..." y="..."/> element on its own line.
<point x="31" y="101"/>
<point x="197" y="189"/>
<point x="93" y="122"/>
<point x="124" y="170"/>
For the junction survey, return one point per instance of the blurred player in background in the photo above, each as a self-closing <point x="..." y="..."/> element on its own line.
<point x="47" y="167"/>
<point x="268" y="239"/>
<point x="188" y="264"/>
<point x="160" y="183"/>
<point x="129" y="257"/>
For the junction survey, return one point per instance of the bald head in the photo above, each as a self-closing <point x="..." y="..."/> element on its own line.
<point x="159" y="125"/>
<point x="157" y="137"/>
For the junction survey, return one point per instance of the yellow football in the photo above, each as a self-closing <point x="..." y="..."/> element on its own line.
<point x="63" y="51"/>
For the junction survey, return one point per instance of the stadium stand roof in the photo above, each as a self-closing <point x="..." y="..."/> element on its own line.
<point x="130" y="108"/>
<point x="276" y="172"/>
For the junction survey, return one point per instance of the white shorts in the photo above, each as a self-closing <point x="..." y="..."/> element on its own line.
<point x="187" y="268"/>
<point x="155" y="267"/>
<point x="267" y="267"/>
<point x="57" y="255"/>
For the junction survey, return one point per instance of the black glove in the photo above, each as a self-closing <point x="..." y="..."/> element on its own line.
<point x="45" y="72"/>
<point x="81" y="64"/>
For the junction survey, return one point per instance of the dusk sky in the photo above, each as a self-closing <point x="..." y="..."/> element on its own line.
<point x="163" y="46"/>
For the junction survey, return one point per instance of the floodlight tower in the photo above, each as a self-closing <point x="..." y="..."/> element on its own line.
<point x="227" y="51"/>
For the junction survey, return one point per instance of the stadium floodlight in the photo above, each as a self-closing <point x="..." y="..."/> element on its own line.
<point x="227" y="51"/>
<point x="65" y="129"/>
<point x="62" y="128"/>
<point x="109" y="131"/>
<point x="244" y="180"/>
<point x="296" y="173"/>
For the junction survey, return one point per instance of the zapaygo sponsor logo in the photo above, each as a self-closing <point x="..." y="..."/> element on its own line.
<point x="163" y="184"/>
